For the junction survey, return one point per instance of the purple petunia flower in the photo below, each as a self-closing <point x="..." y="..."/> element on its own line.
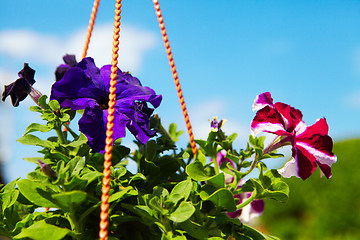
<point x="22" y="87"/>
<point x="70" y="61"/>
<point x="87" y="87"/>
<point x="311" y="145"/>
<point x="216" y="126"/>
<point x="254" y="209"/>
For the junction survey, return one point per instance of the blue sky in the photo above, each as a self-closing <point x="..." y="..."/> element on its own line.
<point x="306" y="53"/>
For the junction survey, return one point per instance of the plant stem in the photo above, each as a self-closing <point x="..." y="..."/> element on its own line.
<point x="252" y="166"/>
<point x="73" y="134"/>
<point x="249" y="200"/>
<point x="216" y="165"/>
<point x="60" y="134"/>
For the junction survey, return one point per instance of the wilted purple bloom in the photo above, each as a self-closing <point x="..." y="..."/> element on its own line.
<point x="22" y="87"/>
<point x="87" y="87"/>
<point x="46" y="169"/>
<point x="311" y="145"/>
<point x="254" y="209"/>
<point x="70" y="61"/>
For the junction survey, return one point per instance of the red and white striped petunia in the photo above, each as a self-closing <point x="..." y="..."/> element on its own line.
<point x="311" y="145"/>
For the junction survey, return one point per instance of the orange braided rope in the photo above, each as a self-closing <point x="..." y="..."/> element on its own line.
<point x="90" y="27"/>
<point x="175" y="75"/>
<point x="104" y="221"/>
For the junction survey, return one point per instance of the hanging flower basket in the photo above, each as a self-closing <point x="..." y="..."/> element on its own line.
<point x="81" y="188"/>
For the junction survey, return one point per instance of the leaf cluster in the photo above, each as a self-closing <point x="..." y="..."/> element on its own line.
<point x="172" y="195"/>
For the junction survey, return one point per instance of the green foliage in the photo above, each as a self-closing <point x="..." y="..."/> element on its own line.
<point x="173" y="195"/>
<point x="321" y="208"/>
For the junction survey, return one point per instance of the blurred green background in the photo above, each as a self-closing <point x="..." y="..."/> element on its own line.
<point x="321" y="208"/>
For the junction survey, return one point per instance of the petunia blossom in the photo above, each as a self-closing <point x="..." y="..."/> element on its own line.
<point x="250" y="211"/>
<point x="215" y="124"/>
<point x="311" y="145"/>
<point x="70" y="61"/>
<point x="22" y="87"/>
<point x="87" y="87"/>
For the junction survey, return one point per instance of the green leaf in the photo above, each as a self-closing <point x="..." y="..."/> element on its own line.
<point x="150" y="150"/>
<point x="91" y="176"/>
<point x="161" y="192"/>
<point x="155" y="204"/>
<point x="37" y="127"/>
<point x="253" y="233"/>
<point x="76" y="165"/>
<point x="9" y="187"/>
<point x="33" y="140"/>
<point x="68" y="200"/>
<point x="196" y="171"/>
<point x="221" y="197"/>
<point x="37" y="193"/>
<point x="42" y="230"/>
<point x="35" y="109"/>
<point x="278" y="191"/>
<point x="181" y="190"/>
<point x="75" y="183"/>
<point x="200" y="157"/>
<point x="182" y="213"/>
<point x="78" y="142"/>
<point x="120" y="195"/>
<point x="218" y="180"/>
<point x="144" y="212"/>
<point x="8" y="199"/>
<point x="275" y="188"/>
<point x="194" y="229"/>
<point x="42" y="102"/>
<point x="54" y="105"/>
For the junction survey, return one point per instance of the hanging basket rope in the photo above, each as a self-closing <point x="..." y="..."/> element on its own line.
<point x="175" y="75"/>
<point x="104" y="215"/>
<point x="91" y="26"/>
<point x="104" y="222"/>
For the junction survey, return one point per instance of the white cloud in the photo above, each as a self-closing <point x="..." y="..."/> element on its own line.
<point x="133" y="44"/>
<point x="26" y="45"/>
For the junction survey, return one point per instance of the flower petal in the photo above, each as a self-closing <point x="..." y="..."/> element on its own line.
<point x="137" y="115"/>
<point x="291" y="116"/>
<point x="323" y="159"/>
<point x="290" y="169"/>
<point x="257" y="206"/>
<point x="269" y="120"/>
<point x="93" y="126"/>
<point x="262" y="101"/>
<point x="306" y="162"/>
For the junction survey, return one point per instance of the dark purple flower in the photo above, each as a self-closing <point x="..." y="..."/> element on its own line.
<point x="87" y="87"/>
<point x="311" y="145"/>
<point x="254" y="209"/>
<point x="70" y="61"/>
<point x="22" y="87"/>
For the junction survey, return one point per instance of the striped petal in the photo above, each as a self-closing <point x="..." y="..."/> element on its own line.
<point x="267" y="119"/>
<point x="262" y="100"/>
